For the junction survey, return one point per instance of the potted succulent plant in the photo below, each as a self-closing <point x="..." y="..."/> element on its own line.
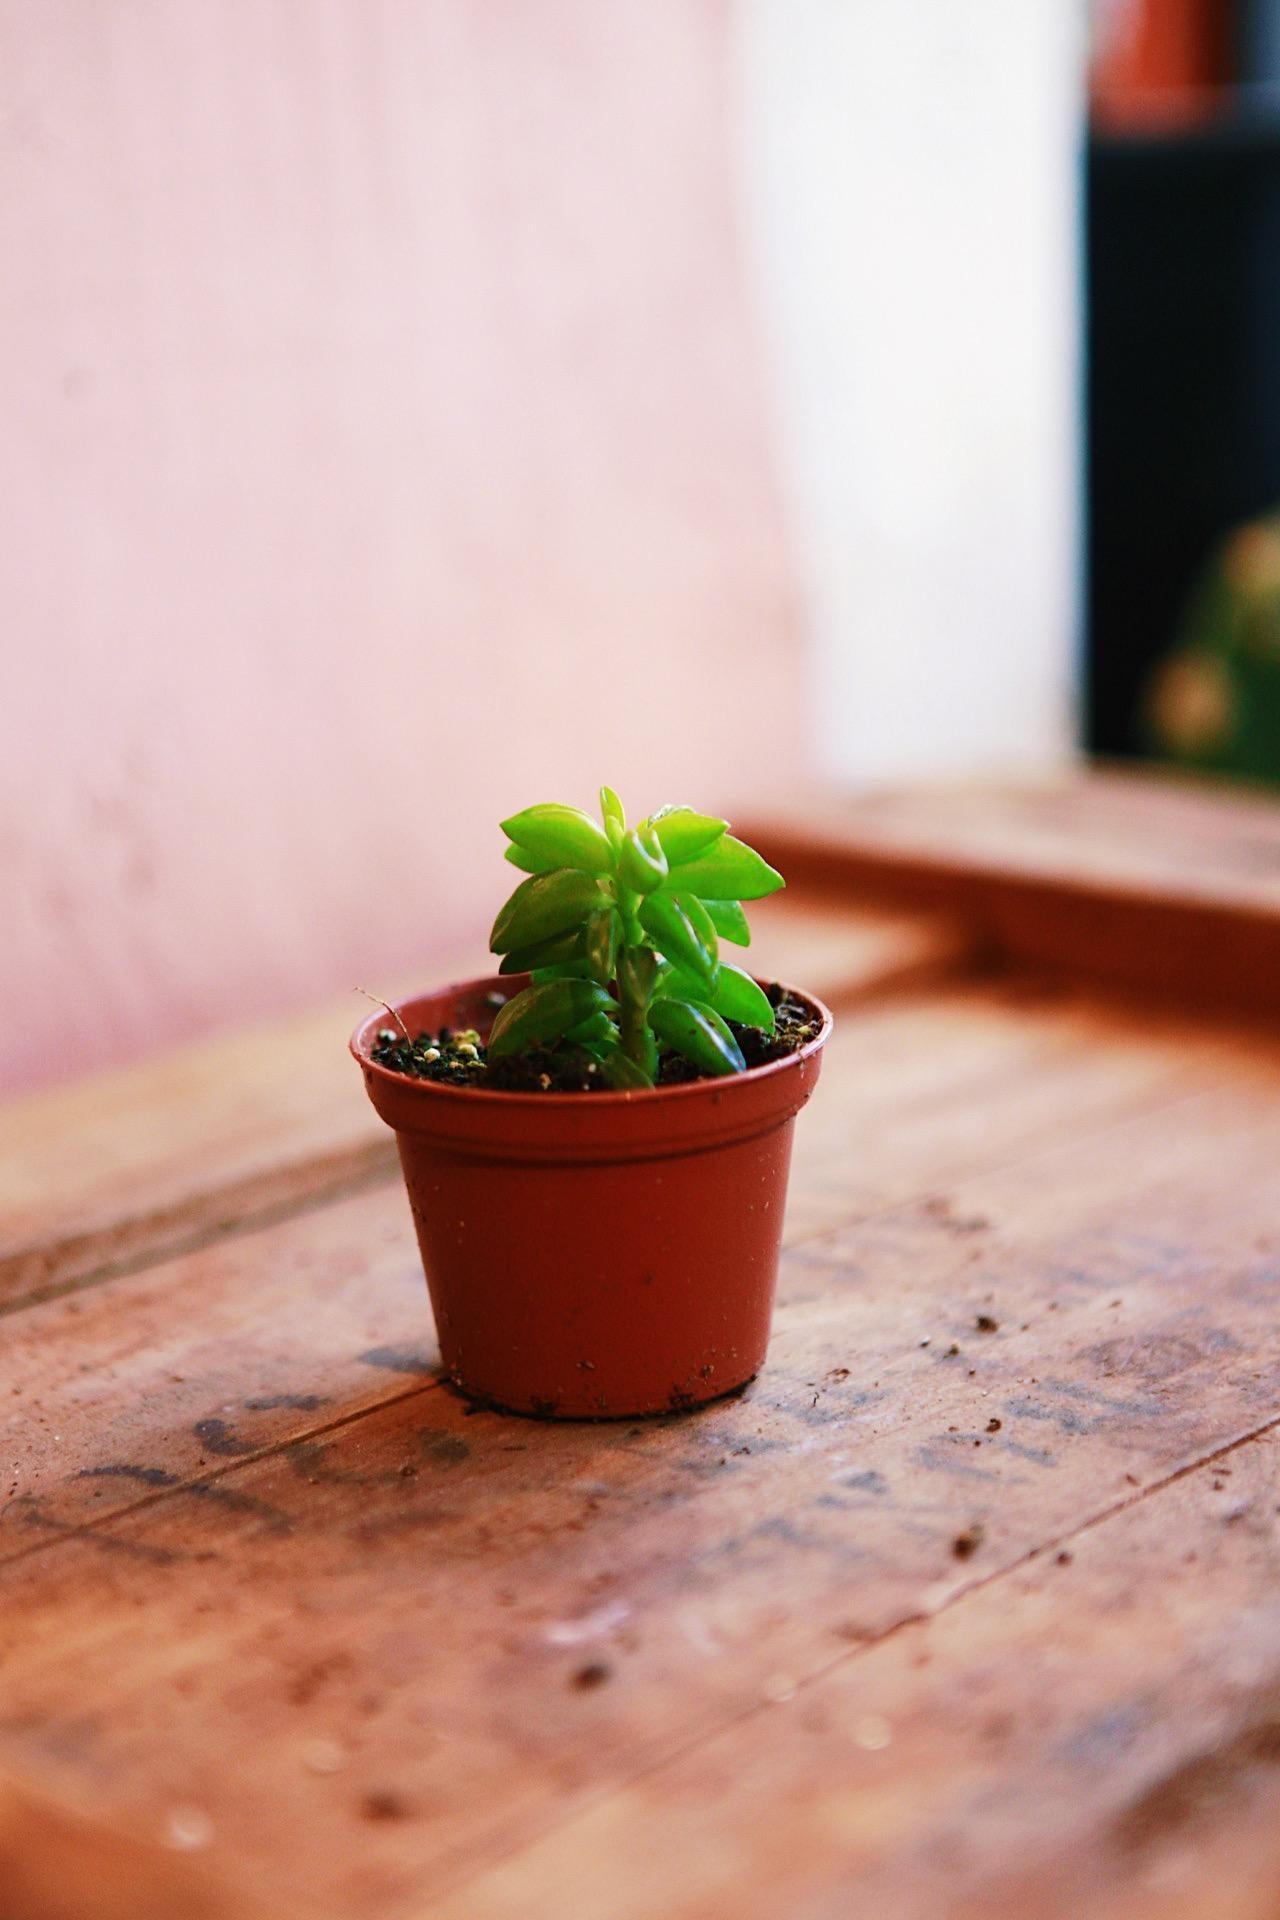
<point x="596" y="1140"/>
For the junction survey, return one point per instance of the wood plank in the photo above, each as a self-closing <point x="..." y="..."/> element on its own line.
<point x="136" y="1165"/>
<point x="1221" y="1861"/>
<point x="970" y="1077"/>
<point x="1140" y="833"/>
<point x="1079" y="1719"/>
<point x="421" y="1670"/>
<point x="159" y="1377"/>
<point x="163" y="1378"/>
<point x="848" y="953"/>
<point x="1218" y="1858"/>
<point x="55" y="1861"/>
<point x="1139" y="881"/>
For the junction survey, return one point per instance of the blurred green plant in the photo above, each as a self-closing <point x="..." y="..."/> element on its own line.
<point x="620" y="929"/>
<point x="1214" y="702"/>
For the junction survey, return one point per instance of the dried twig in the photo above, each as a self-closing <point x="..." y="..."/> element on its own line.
<point x="378" y="1001"/>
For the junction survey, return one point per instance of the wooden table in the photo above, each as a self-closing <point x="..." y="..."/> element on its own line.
<point x="970" y="1605"/>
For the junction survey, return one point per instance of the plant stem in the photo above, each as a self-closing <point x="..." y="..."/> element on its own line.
<point x="637" y="969"/>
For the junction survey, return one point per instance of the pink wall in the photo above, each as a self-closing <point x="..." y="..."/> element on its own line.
<point x="382" y="447"/>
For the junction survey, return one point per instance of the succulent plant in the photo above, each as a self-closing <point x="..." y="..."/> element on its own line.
<point x="620" y="929"/>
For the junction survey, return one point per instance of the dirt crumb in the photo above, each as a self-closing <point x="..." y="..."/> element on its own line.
<point x="383" y="1804"/>
<point x="594" y="1674"/>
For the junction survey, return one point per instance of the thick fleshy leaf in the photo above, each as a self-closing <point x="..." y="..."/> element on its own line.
<point x="600" y="944"/>
<point x="566" y="835"/>
<point x="735" y="995"/>
<point x="701" y="922"/>
<point x="545" y="953"/>
<point x="529" y="862"/>
<point x="595" y="1031"/>
<point x="642" y="864"/>
<point x="544" y="1013"/>
<point x="566" y="970"/>
<point x="544" y="904"/>
<point x="637" y="974"/>
<point x="684" y="833"/>
<point x="729" y="921"/>
<point x="697" y="1031"/>
<point x="612" y="809"/>
<point x="623" y="1074"/>
<point x="682" y="931"/>
<point x="731" y="870"/>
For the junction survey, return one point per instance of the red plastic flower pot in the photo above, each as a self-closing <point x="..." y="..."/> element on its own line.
<point x="594" y="1255"/>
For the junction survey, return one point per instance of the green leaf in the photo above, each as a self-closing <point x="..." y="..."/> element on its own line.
<point x="623" y="1074"/>
<point x="544" y="1013"/>
<point x="731" y="870"/>
<point x="529" y="862"/>
<point x="566" y="970"/>
<point x="598" y="1050"/>
<point x="545" y="953"/>
<point x="729" y="921"/>
<point x="637" y="974"/>
<point x="613" y="810"/>
<point x="642" y="864"/>
<point x="697" y="1031"/>
<point x="544" y="904"/>
<point x="566" y="835"/>
<point x="735" y="995"/>
<point x="601" y="945"/>
<point x="595" y="1031"/>
<point x="682" y="930"/>
<point x="684" y="833"/>
<point x="701" y="922"/>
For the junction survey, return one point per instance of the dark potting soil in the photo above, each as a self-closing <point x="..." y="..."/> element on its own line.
<point x="459" y="1058"/>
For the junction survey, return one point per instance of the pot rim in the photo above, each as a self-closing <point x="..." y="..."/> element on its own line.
<point x="613" y="1100"/>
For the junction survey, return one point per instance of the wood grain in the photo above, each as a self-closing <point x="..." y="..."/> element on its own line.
<point x="1146" y="883"/>
<point x="966" y="1607"/>
<point x="134" y="1165"/>
<point x="163" y="1378"/>
<point x="56" y="1861"/>
<point x="1146" y="833"/>
<point x="1087" y="1719"/>
<point x="110" y="1395"/>
<point x="433" y="1642"/>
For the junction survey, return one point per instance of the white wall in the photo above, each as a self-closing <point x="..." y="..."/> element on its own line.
<point x="912" y="184"/>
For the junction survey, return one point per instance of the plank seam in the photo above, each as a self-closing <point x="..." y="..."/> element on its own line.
<point x="144" y="1502"/>
<point x="448" y="1888"/>
<point x="330" y="1180"/>
<point x="98" y="1530"/>
<point x="371" y="1170"/>
<point x="374" y="1160"/>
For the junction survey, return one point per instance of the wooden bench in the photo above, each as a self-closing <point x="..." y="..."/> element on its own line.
<point x="967" y="1606"/>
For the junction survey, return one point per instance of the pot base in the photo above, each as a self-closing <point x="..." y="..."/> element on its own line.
<point x="677" y="1402"/>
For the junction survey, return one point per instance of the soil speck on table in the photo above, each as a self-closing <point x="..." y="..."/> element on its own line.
<point x="594" y="1674"/>
<point x="383" y="1804"/>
